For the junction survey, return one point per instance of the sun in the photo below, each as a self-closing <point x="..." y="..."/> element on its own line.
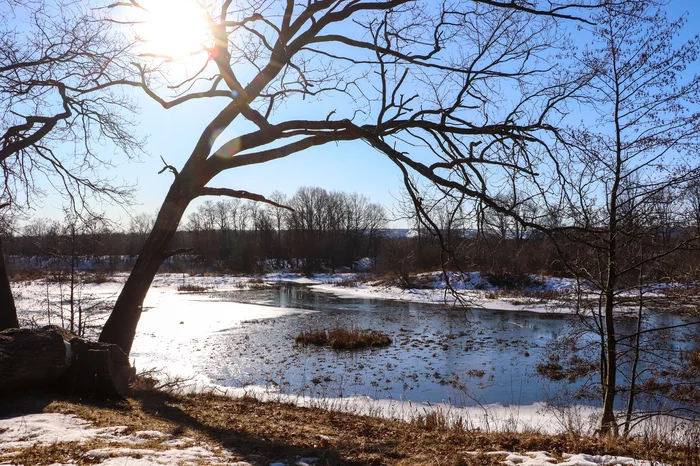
<point x="174" y="29"/>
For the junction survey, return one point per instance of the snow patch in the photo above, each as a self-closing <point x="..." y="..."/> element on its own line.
<point x="543" y="458"/>
<point x="44" y="428"/>
<point x="23" y="432"/>
<point x="147" y="457"/>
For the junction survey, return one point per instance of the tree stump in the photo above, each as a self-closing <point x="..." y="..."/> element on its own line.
<point x="99" y="370"/>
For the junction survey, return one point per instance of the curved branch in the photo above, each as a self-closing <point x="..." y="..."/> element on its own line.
<point x="240" y="194"/>
<point x="12" y="140"/>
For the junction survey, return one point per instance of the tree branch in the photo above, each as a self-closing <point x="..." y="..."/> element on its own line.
<point x="175" y="252"/>
<point x="240" y="194"/>
<point x="168" y="167"/>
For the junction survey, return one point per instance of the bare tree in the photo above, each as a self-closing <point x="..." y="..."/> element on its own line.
<point x="51" y="70"/>
<point x="57" y="64"/>
<point x="8" y="312"/>
<point x="141" y="224"/>
<point x="77" y="233"/>
<point x="641" y="149"/>
<point x="279" y="218"/>
<point x="408" y="77"/>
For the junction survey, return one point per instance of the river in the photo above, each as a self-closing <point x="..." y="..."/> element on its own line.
<point x="438" y="354"/>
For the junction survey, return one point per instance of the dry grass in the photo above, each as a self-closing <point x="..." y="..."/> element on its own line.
<point x="511" y="281"/>
<point x="349" y="282"/>
<point x="344" y="339"/>
<point x="256" y="283"/>
<point x="528" y="296"/>
<point x="58" y="453"/>
<point x="191" y="288"/>
<point x="264" y="432"/>
<point x="71" y="452"/>
<point x="97" y="277"/>
<point x="26" y="274"/>
<point x="414" y="280"/>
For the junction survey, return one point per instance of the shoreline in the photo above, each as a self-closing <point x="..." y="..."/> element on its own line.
<point x="153" y="427"/>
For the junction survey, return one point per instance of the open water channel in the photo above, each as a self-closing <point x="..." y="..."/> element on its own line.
<point x="438" y="354"/>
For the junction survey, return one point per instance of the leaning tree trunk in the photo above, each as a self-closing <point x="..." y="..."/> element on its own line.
<point x="120" y="327"/>
<point x="8" y="311"/>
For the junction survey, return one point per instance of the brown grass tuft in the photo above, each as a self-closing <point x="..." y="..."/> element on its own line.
<point x="191" y="288"/>
<point x="344" y="339"/>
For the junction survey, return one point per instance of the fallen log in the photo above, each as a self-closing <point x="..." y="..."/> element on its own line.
<point x="32" y="358"/>
<point x="54" y="358"/>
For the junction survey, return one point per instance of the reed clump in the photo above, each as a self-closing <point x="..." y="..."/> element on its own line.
<point x="344" y="339"/>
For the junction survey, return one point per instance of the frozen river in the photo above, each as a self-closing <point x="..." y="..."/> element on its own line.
<point x="246" y="338"/>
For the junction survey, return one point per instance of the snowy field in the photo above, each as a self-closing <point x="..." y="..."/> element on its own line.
<point x="39" y="302"/>
<point x="169" y="330"/>
<point x="116" y="445"/>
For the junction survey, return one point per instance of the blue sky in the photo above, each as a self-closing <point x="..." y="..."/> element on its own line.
<point x="352" y="167"/>
<point x="349" y="166"/>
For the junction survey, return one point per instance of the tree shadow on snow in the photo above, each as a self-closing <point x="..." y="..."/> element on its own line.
<point x="257" y="448"/>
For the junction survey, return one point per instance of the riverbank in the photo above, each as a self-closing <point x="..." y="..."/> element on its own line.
<point x="191" y="325"/>
<point x="155" y="427"/>
<point x="237" y="334"/>
<point x="39" y="300"/>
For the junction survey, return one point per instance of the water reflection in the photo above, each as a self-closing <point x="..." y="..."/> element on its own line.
<point x="438" y="354"/>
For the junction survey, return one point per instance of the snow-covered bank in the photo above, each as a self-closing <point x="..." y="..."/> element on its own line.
<point x="37" y="299"/>
<point x="541" y="418"/>
<point x="218" y="343"/>
<point x="115" y="445"/>
<point x="470" y="289"/>
<point x="470" y="298"/>
<point x="537" y="417"/>
<point x="119" y="445"/>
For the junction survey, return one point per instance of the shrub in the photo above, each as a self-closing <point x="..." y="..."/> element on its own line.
<point x="97" y="277"/>
<point x="508" y="281"/>
<point x="257" y="283"/>
<point x="343" y="339"/>
<point x="348" y="282"/>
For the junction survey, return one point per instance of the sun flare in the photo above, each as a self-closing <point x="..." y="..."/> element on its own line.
<point x="174" y="28"/>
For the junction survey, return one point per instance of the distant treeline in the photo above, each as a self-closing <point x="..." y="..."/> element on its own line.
<point x="325" y="231"/>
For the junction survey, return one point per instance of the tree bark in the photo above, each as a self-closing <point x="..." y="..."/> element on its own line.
<point x="8" y="311"/>
<point x="120" y="327"/>
<point x="98" y="370"/>
<point x="608" y="422"/>
<point x="635" y="363"/>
